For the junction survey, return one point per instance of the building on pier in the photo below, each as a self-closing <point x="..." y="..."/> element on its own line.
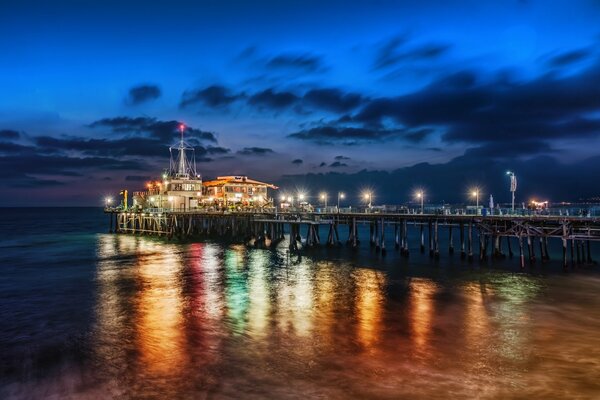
<point x="237" y="190"/>
<point x="182" y="187"/>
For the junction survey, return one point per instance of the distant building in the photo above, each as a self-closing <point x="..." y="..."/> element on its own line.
<point x="236" y="190"/>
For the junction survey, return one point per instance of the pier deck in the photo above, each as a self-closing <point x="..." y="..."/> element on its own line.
<point x="303" y="229"/>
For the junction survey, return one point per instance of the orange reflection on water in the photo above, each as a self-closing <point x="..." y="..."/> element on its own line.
<point x="295" y="303"/>
<point x="369" y="305"/>
<point x="159" y="327"/>
<point x="421" y="313"/>
<point x="477" y="324"/>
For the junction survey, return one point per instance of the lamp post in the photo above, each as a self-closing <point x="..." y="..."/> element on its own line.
<point x="340" y="196"/>
<point x="421" y="196"/>
<point x="324" y="198"/>
<point x="107" y="201"/>
<point x="369" y="198"/>
<point x="475" y="194"/>
<point x="513" y="188"/>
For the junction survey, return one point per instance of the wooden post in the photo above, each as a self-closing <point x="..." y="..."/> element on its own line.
<point x="396" y="237"/>
<point x="521" y="253"/>
<point x="430" y="239"/>
<point x="450" y="240"/>
<point x="470" y="241"/>
<point x="463" y="254"/>
<point x="436" y="241"/>
<point x="382" y="238"/>
<point x="422" y="238"/>
<point x="405" y="238"/>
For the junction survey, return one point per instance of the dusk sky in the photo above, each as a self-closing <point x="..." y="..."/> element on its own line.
<point x="324" y="95"/>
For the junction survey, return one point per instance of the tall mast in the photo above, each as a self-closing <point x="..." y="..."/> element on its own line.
<point x="182" y="159"/>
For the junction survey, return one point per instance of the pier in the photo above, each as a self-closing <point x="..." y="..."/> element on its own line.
<point x="475" y="237"/>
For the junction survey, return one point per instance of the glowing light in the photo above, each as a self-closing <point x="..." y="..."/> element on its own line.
<point x="171" y="198"/>
<point x="108" y="200"/>
<point x="282" y="198"/>
<point x="301" y="196"/>
<point x="198" y="194"/>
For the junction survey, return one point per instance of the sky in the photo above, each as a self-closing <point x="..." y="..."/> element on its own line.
<point x="388" y="96"/>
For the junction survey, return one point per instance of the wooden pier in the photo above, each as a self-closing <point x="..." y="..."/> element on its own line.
<point x="492" y="236"/>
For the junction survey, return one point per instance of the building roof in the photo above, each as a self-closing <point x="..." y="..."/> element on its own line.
<point x="223" y="180"/>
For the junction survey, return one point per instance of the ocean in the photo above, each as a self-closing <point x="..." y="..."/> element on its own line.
<point x="85" y="314"/>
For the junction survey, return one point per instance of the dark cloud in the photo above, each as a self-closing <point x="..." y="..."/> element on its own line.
<point x="340" y="158"/>
<point x="297" y="161"/>
<point x="333" y="100"/>
<point x="214" y="96"/>
<point x="137" y="146"/>
<point x="143" y="93"/>
<point x="14" y="148"/>
<point x="164" y="130"/>
<point x="306" y="62"/>
<point x="105" y="147"/>
<point x="137" y="178"/>
<point x="323" y="164"/>
<point x="252" y="151"/>
<point x="269" y="99"/>
<point x="37" y="164"/>
<point x="9" y="134"/>
<point x="329" y="134"/>
<point x="395" y="50"/>
<point x="570" y="57"/>
<point x="337" y="164"/>
<point x="548" y="107"/>
<point x="537" y="178"/>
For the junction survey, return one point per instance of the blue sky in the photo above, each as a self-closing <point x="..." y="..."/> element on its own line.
<point x="368" y="91"/>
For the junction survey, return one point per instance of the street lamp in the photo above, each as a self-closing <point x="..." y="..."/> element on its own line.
<point x="324" y="198"/>
<point x="475" y="194"/>
<point x="340" y="196"/>
<point x="107" y="201"/>
<point x="368" y="197"/>
<point x="420" y="195"/>
<point x="513" y="187"/>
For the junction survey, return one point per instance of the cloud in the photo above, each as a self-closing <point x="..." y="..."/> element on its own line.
<point x="163" y="130"/>
<point x="306" y="62"/>
<point x="537" y="178"/>
<point x="569" y="57"/>
<point x="297" y="161"/>
<point x="340" y="158"/>
<point x="137" y="178"/>
<point x="143" y="93"/>
<point x="270" y="99"/>
<point x="38" y="164"/>
<point x="9" y="134"/>
<point x="332" y="99"/>
<point x="337" y="164"/>
<point x="394" y="51"/>
<point x="468" y="109"/>
<point x="214" y="96"/>
<point x="331" y="134"/>
<point x="323" y="164"/>
<point x="14" y="148"/>
<point x="253" y="151"/>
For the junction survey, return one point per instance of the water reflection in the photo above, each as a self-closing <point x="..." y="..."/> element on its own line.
<point x="369" y="305"/>
<point x="422" y="292"/>
<point x="158" y="306"/>
<point x="198" y="319"/>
